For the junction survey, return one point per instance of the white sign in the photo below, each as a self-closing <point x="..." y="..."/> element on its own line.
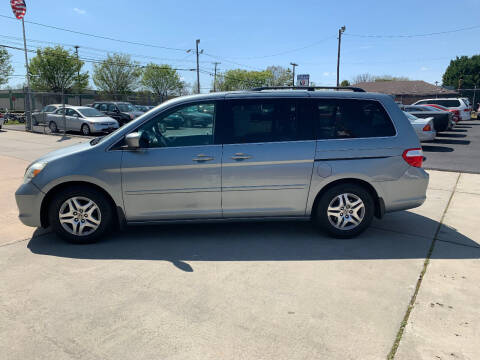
<point x="303" y="80"/>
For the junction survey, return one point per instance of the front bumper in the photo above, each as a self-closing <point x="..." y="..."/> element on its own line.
<point x="105" y="128"/>
<point x="29" y="202"/>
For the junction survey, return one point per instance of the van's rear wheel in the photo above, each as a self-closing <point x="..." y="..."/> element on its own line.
<point x="80" y="214"/>
<point x="345" y="210"/>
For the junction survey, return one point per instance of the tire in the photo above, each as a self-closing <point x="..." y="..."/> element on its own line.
<point x="93" y="211"/>
<point x="53" y="127"/>
<point x="85" y="130"/>
<point x="343" y="226"/>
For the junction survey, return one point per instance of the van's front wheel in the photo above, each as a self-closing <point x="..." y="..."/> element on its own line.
<point x="80" y="214"/>
<point x="345" y="210"/>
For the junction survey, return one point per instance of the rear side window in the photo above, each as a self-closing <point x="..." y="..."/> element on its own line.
<point x="350" y="118"/>
<point x="103" y="107"/>
<point x="269" y="120"/>
<point x="443" y="102"/>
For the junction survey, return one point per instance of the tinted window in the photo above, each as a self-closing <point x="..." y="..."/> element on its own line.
<point x="70" y="112"/>
<point x="338" y="119"/>
<point x="254" y="121"/>
<point x="125" y="107"/>
<point x="185" y="126"/>
<point x="112" y="107"/>
<point x="103" y="107"/>
<point x="443" y="102"/>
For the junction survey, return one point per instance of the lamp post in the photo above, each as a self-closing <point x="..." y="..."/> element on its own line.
<point x="293" y="78"/>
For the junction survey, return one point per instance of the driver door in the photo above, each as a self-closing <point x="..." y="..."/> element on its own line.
<point x="176" y="174"/>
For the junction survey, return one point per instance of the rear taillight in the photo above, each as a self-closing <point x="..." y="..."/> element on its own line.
<point x="413" y="157"/>
<point x="427" y="128"/>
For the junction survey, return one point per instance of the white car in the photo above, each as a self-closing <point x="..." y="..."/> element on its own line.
<point x="80" y="118"/>
<point x="460" y="104"/>
<point x="423" y="127"/>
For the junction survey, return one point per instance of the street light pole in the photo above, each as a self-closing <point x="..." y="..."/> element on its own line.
<point x="340" y="32"/>
<point x="293" y="75"/>
<point x="198" y="67"/>
<point x="28" y="122"/>
<point x="215" y="77"/>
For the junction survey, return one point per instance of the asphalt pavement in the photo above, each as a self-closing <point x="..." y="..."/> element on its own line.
<point x="455" y="150"/>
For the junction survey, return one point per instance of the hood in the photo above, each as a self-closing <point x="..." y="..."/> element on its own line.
<point x="65" y="151"/>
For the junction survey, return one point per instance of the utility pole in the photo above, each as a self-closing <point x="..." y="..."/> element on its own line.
<point x="293" y="78"/>
<point x="473" y="102"/>
<point x="78" y="76"/>
<point x="436" y="84"/>
<point x="215" y="76"/>
<point x="340" y="32"/>
<point x="198" y="67"/>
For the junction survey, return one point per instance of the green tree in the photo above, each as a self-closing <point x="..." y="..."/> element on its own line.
<point x="162" y="80"/>
<point x="117" y="74"/>
<point x="463" y="72"/>
<point x="280" y="76"/>
<point x="345" y="83"/>
<point x="55" y="69"/>
<point x="239" y="79"/>
<point x="5" y="66"/>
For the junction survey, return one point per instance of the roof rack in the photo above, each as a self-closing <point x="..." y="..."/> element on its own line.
<point x="308" y="88"/>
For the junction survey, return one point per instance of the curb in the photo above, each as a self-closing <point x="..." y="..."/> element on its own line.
<point x="49" y="134"/>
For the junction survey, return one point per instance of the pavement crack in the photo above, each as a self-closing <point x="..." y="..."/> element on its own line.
<point x="403" y="324"/>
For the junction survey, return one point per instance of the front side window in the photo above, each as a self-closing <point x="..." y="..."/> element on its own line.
<point x="103" y="107"/>
<point x="351" y="118"/>
<point x="112" y="107"/>
<point x="126" y="107"/>
<point x="258" y="121"/>
<point x="185" y="126"/>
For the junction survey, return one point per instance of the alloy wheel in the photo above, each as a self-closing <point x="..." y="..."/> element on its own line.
<point x="346" y="211"/>
<point x="79" y="216"/>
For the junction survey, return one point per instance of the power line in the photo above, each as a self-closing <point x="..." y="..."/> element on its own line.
<point x="98" y="36"/>
<point x="415" y="35"/>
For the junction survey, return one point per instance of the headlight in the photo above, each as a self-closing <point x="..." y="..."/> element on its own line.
<point x="33" y="171"/>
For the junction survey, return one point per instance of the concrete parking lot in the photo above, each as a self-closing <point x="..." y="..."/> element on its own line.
<point x="408" y="286"/>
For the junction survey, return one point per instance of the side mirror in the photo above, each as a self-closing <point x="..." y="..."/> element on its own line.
<point x="133" y="140"/>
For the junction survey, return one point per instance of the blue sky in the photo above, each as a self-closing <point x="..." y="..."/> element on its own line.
<point x="255" y="34"/>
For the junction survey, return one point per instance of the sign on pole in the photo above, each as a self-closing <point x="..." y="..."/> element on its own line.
<point x="19" y="8"/>
<point x="303" y="80"/>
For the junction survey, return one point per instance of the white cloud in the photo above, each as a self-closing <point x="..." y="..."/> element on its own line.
<point x="80" y="11"/>
<point x="326" y="73"/>
<point x="423" y="68"/>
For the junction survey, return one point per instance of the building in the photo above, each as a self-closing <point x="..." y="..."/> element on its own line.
<point x="409" y="91"/>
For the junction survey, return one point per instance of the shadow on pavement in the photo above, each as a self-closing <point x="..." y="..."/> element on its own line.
<point x="452" y="135"/>
<point x="457" y="130"/>
<point x="428" y="148"/>
<point x="270" y="241"/>
<point x="451" y="142"/>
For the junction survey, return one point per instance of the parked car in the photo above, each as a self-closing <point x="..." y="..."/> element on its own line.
<point x="2" y="120"/>
<point x="443" y="120"/>
<point x="196" y="116"/>
<point x="143" y="108"/>
<point x="40" y="116"/>
<point x="123" y="112"/>
<point x="460" y="104"/>
<point x="456" y="113"/>
<point x="80" y="118"/>
<point x="424" y="128"/>
<point x="338" y="158"/>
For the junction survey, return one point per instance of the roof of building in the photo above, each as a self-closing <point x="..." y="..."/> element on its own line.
<point x="408" y="87"/>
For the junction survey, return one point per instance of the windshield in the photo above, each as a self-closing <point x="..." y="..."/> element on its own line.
<point x="126" y="107"/>
<point x="90" y="112"/>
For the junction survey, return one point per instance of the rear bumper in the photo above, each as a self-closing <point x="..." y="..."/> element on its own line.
<point x="426" y="135"/>
<point x="407" y="192"/>
<point x="29" y="201"/>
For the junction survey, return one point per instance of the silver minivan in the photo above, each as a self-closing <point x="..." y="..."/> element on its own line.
<point x="338" y="158"/>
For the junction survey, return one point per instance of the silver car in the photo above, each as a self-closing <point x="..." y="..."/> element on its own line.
<point x="423" y="127"/>
<point x="80" y="118"/>
<point x="338" y="158"/>
<point x="40" y="116"/>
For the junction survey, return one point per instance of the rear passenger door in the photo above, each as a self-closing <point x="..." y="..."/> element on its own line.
<point x="268" y="151"/>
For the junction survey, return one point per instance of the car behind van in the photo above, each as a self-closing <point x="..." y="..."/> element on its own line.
<point x="338" y="158"/>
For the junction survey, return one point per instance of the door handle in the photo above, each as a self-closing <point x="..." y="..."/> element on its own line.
<point x="202" y="158"/>
<point x="241" y="156"/>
